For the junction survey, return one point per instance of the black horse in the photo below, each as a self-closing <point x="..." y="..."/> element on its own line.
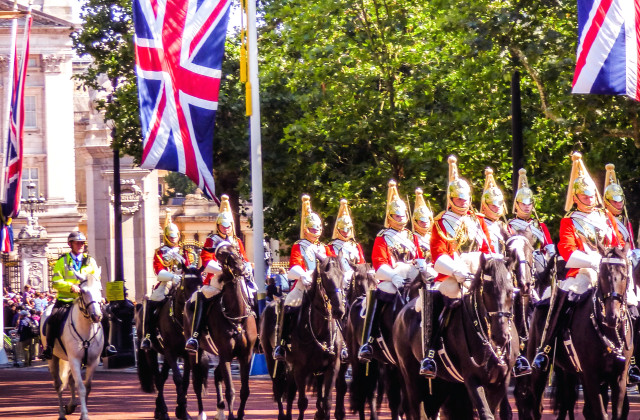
<point x="362" y="389"/>
<point x="170" y="344"/>
<point x="231" y="331"/>
<point x="596" y="347"/>
<point x="315" y="343"/>
<point x="478" y="347"/>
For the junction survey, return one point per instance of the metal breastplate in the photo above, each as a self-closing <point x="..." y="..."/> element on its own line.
<point x="592" y="229"/>
<point x="497" y="240"/>
<point x="172" y="258"/>
<point x="465" y="231"/>
<point x="308" y="251"/>
<point x="622" y="228"/>
<point x="400" y="245"/>
<point x="349" y="250"/>
<point x="520" y="226"/>
<point x="424" y="242"/>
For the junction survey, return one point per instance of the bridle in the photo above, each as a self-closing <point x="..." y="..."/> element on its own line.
<point x="326" y="309"/>
<point x="226" y="268"/>
<point x="84" y="306"/>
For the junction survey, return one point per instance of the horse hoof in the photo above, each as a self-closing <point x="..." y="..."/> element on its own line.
<point x="70" y="408"/>
<point x="182" y="414"/>
<point x="221" y="415"/>
<point x="158" y="415"/>
<point x="202" y="416"/>
<point x="62" y="418"/>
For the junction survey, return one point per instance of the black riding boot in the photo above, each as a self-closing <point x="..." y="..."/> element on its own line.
<point x="148" y="322"/>
<point x="287" y="315"/>
<point x="108" y="349"/>
<point x="192" y="343"/>
<point x="556" y="307"/>
<point x="365" y="354"/>
<point x="633" y="373"/>
<point x="428" y="366"/>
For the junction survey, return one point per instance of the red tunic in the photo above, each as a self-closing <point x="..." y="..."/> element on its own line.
<point x="158" y="261"/>
<point x="570" y="241"/>
<point x="440" y="245"/>
<point x="208" y="254"/>
<point x="297" y="258"/>
<point x="380" y="254"/>
<point x="335" y="252"/>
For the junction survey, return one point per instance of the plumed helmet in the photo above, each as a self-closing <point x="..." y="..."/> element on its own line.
<point x="613" y="192"/>
<point x="523" y="195"/>
<point x="311" y="224"/>
<point x="421" y="213"/>
<point x="343" y="222"/>
<point x="491" y="195"/>
<point x="171" y="233"/>
<point x="580" y="183"/>
<point x="225" y="217"/>
<point x="395" y="206"/>
<point x="458" y="187"/>
<point x="76" y="236"/>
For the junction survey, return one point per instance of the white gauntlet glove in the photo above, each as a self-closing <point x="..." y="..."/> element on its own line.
<point x="460" y="276"/>
<point x="581" y="259"/>
<point x="306" y="280"/>
<point x="550" y="250"/>
<point x="397" y="281"/>
<point x="421" y="264"/>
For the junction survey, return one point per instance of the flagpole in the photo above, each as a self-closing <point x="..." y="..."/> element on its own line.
<point x="7" y="111"/>
<point x="256" y="152"/>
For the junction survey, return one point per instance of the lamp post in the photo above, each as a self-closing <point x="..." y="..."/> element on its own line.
<point x="122" y="311"/>
<point x="32" y="204"/>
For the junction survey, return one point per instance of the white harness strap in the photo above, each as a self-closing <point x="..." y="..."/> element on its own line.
<point x="614" y="261"/>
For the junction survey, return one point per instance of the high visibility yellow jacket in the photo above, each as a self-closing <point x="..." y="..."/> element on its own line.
<point x="63" y="277"/>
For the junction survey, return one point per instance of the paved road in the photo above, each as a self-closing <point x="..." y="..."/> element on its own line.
<point x="27" y="393"/>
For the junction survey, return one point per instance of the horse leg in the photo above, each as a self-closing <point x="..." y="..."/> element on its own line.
<point x="200" y="372"/>
<point x="58" y="385"/>
<point x="618" y="397"/>
<point x="68" y="379"/>
<point x="291" y="393"/>
<point x="245" y="363"/>
<point x="181" y="410"/>
<point x="161" y="411"/>
<point x="505" y="409"/>
<point x="230" y="392"/>
<point x="303" y="401"/>
<point x="594" y="408"/>
<point x="341" y="390"/>
<point x="393" y="385"/>
<point x="181" y="400"/>
<point x="76" y="371"/>
<point x="217" y="375"/>
<point x="478" y="398"/>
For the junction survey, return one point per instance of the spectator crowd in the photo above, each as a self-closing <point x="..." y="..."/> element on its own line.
<point x="22" y="312"/>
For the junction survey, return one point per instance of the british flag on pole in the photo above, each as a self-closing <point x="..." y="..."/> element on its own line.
<point x="608" y="49"/>
<point x="179" y="49"/>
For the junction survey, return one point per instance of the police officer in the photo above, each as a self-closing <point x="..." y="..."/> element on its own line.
<point x="225" y="232"/>
<point x="168" y="262"/>
<point x="67" y="284"/>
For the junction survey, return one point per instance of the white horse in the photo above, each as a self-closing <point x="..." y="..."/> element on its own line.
<point x="80" y="344"/>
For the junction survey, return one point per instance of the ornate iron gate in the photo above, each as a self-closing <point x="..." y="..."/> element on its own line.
<point x="11" y="272"/>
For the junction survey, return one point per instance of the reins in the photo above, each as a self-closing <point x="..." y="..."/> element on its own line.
<point x="329" y="345"/>
<point x="83" y="308"/>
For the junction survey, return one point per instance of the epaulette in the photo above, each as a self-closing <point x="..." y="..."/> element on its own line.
<point x="439" y="216"/>
<point x="568" y="214"/>
<point x="381" y="233"/>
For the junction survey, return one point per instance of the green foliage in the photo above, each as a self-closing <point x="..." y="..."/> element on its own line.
<point x="178" y="183"/>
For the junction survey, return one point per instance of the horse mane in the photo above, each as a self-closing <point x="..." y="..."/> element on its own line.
<point x="491" y="264"/>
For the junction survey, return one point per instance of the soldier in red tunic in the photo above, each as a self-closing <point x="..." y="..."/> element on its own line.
<point x="493" y="209"/>
<point x="614" y="203"/>
<point x="211" y="286"/>
<point x="422" y="221"/>
<point x="581" y="231"/>
<point x="393" y="256"/>
<point x="167" y="265"/>
<point x="458" y="238"/>
<point x="302" y="263"/>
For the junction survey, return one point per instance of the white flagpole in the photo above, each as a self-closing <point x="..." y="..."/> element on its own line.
<point x="7" y="111"/>
<point x="256" y="150"/>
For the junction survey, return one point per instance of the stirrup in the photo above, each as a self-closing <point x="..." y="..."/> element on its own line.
<point x="191" y="345"/>
<point x="365" y="354"/>
<point x="428" y="366"/>
<point x="145" y="344"/>
<point x="110" y="350"/>
<point x="344" y="355"/>
<point x="521" y="367"/>
<point x="279" y="353"/>
<point x="541" y="362"/>
<point x="633" y="375"/>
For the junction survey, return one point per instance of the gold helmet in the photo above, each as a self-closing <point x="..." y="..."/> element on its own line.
<point x="171" y="233"/>
<point x="524" y="195"/>
<point x="580" y="183"/>
<point x="491" y="195"/>
<point x="225" y="217"/>
<point x="421" y="213"/>
<point x="612" y="190"/>
<point x="311" y="224"/>
<point x="344" y="223"/>
<point x="397" y="207"/>
<point x="457" y="188"/>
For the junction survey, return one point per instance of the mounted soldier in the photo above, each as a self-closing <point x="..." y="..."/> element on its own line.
<point x="302" y="264"/>
<point x="393" y="256"/>
<point x="459" y="237"/>
<point x="344" y="242"/>
<point x="422" y="222"/>
<point x="582" y="232"/>
<point x="168" y="261"/>
<point x="492" y="208"/>
<point x="225" y="233"/>
<point x="526" y="218"/>
<point x="615" y="207"/>
<point x="67" y="284"/>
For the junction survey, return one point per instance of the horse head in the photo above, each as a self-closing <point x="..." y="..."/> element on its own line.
<point x="329" y="275"/>
<point x="612" y="283"/>
<point x="90" y="298"/>
<point x="191" y="280"/>
<point x="520" y="252"/>
<point x="493" y="287"/>
<point x="230" y="260"/>
<point x="363" y="281"/>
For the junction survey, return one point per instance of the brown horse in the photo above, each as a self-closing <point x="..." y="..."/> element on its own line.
<point x="170" y="344"/>
<point x="478" y="347"/>
<point x="232" y="332"/>
<point x="596" y="346"/>
<point x="315" y="343"/>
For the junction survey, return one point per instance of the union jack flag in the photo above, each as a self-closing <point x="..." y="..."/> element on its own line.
<point x="607" y="57"/>
<point x="179" y="47"/>
<point x="15" y="131"/>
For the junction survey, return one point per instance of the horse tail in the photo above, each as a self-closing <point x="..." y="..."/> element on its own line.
<point x="564" y="393"/>
<point x="147" y="370"/>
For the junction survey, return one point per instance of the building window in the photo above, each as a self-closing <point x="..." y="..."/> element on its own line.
<point x="30" y="175"/>
<point x="30" y="112"/>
